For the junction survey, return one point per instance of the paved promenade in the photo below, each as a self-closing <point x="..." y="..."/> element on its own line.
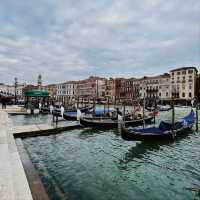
<point x="13" y="182"/>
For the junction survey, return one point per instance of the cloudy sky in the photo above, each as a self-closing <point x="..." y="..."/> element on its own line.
<point x="72" y="39"/>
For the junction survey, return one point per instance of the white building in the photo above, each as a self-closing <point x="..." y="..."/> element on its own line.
<point x="100" y="88"/>
<point x="9" y="90"/>
<point x="70" y="88"/>
<point x="60" y="89"/>
<point x="155" y="86"/>
<point x="67" y="89"/>
<point x="183" y="82"/>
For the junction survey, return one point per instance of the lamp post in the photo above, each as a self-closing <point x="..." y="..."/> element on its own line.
<point x="16" y="82"/>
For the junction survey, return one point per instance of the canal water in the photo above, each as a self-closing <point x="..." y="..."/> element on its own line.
<point x="88" y="164"/>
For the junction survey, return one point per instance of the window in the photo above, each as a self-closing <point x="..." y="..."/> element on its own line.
<point x="190" y="86"/>
<point x="183" y="94"/>
<point x="190" y="94"/>
<point x="183" y="72"/>
<point x="190" y="71"/>
<point x="166" y="94"/>
<point x="159" y="94"/>
<point x="178" y="73"/>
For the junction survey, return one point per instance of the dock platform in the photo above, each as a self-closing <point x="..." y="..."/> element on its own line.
<point x="41" y="129"/>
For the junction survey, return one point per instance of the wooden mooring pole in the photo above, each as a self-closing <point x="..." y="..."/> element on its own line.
<point x="143" y="111"/>
<point x="197" y="116"/>
<point x="173" y="117"/>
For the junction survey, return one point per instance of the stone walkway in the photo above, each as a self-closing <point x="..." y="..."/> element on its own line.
<point x="13" y="182"/>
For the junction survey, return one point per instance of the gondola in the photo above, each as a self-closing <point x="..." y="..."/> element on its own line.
<point x="165" y="130"/>
<point x="72" y="115"/>
<point x="163" y="108"/>
<point x="45" y="110"/>
<point x="159" y="108"/>
<point x="108" y="122"/>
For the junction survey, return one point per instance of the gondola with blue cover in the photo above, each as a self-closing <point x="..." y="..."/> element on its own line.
<point x="165" y="130"/>
<point x="98" y="112"/>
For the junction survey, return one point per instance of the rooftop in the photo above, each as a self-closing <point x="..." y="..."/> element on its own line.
<point x="165" y="75"/>
<point x="184" y="68"/>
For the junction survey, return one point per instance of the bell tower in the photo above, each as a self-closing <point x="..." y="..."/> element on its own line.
<point x="39" y="81"/>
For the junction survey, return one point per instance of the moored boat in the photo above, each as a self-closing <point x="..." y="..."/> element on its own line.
<point x="165" y="130"/>
<point x="72" y="115"/>
<point x="164" y="108"/>
<point x="108" y="122"/>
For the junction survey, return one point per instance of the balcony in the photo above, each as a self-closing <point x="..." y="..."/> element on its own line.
<point x="153" y="90"/>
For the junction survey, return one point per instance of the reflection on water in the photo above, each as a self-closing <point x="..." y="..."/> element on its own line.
<point x="94" y="164"/>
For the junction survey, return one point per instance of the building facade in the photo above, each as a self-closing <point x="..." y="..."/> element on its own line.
<point x="10" y="90"/>
<point x="183" y="82"/>
<point x="51" y="89"/>
<point x="92" y="87"/>
<point x="154" y="87"/>
<point x="71" y="89"/>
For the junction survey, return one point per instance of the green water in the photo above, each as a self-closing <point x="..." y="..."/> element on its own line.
<point x="89" y="164"/>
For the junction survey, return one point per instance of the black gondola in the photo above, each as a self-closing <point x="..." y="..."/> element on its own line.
<point x="107" y="122"/>
<point x="159" y="108"/>
<point x="165" y="131"/>
<point x="162" y="108"/>
<point x="72" y="115"/>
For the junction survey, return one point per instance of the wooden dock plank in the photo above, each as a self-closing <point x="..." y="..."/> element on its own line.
<point x="41" y="129"/>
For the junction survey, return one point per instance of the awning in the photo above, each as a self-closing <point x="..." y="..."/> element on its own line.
<point x="36" y="93"/>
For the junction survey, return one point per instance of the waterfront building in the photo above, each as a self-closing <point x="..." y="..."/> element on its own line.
<point x="183" y="82"/>
<point x="60" y="89"/>
<point x="51" y="89"/>
<point x="4" y="90"/>
<point x="66" y="92"/>
<point x="198" y="87"/>
<point x="70" y="89"/>
<point x="9" y="90"/>
<point x="92" y="87"/>
<point x="126" y="89"/>
<point x="120" y="89"/>
<point x="29" y="87"/>
<point x="19" y="91"/>
<point x="154" y="87"/>
<point x="110" y="91"/>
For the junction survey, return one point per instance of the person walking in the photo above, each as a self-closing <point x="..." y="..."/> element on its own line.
<point x="3" y="101"/>
<point x="51" y="109"/>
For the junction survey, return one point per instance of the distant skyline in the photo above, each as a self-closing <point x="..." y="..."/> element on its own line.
<point x="71" y="40"/>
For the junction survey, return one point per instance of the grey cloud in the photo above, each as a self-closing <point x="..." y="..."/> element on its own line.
<point x="66" y="40"/>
